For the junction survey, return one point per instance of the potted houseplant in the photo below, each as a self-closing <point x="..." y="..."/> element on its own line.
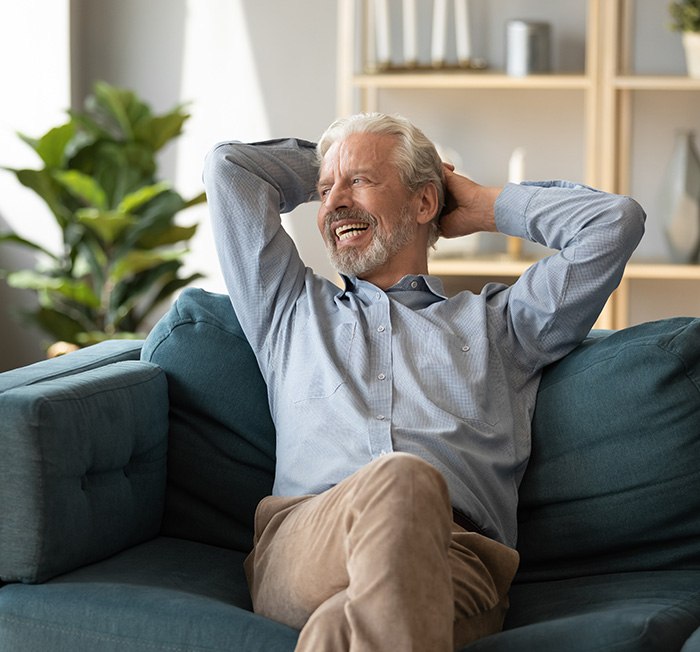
<point x="122" y="251"/>
<point x="686" y="19"/>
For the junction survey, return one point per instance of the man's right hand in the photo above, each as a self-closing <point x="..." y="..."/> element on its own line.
<point x="469" y="207"/>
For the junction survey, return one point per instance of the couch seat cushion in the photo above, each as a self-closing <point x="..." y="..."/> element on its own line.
<point x="164" y="595"/>
<point x="625" y="612"/>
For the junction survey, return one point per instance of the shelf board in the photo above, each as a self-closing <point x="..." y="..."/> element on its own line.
<point x="656" y="83"/>
<point x="505" y="266"/>
<point x="660" y="271"/>
<point x="474" y="80"/>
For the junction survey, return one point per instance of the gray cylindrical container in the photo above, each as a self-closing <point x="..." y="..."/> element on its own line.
<point x="527" y="47"/>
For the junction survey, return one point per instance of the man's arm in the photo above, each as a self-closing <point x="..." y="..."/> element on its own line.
<point x="555" y="303"/>
<point x="248" y="186"/>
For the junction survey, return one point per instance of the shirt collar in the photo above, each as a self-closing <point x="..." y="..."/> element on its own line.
<point x="424" y="283"/>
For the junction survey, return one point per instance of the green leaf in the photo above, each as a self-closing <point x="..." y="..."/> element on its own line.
<point x="51" y="147"/>
<point x="135" y="200"/>
<point x="116" y="102"/>
<point x="169" y="236"/>
<point x="201" y="198"/>
<point x="82" y="187"/>
<point x="73" y="289"/>
<point x="13" y="238"/>
<point x="107" y="225"/>
<point x="153" y="218"/>
<point x="160" y="130"/>
<point x="60" y="326"/>
<point x="139" y="261"/>
<point x="44" y="185"/>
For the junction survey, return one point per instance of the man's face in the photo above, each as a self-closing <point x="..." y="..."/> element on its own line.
<point x="366" y="215"/>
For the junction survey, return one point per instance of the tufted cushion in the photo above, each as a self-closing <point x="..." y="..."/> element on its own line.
<point x="222" y="439"/>
<point x="82" y="470"/>
<point x="613" y="479"/>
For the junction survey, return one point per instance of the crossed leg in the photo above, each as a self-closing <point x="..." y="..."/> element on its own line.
<point x="370" y="564"/>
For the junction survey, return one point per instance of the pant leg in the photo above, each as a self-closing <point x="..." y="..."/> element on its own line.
<point x="366" y="561"/>
<point x="362" y="566"/>
<point x="482" y="572"/>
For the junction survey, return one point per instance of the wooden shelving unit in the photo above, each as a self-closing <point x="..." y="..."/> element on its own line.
<point x="608" y="89"/>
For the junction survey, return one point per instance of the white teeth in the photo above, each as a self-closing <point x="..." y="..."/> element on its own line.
<point x="349" y="230"/>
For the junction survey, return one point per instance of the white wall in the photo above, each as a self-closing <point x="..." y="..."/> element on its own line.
<point x="35" y="79"/>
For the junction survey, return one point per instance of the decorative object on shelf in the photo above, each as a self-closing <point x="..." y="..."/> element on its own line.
<point x="439" y="39"/>
<point x="686" y="19"/>
<point x="383" y="32"/>
<point x="121" y="252"/>
<point x="680" y="200"/>
<point x="439" y="57"/>
<point x="463" y="33"/>
<point x="410" y="34"/>
<point x="527" y="47"/>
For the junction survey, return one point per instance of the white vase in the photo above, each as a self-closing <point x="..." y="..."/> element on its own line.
<point x="691" y="45"/>
<point x="680" y="200"/>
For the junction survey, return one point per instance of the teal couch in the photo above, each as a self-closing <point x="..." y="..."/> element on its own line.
<point x="130" y="471"/>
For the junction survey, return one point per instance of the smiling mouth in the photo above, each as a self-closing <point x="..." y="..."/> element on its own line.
<point x="347" y="231"/>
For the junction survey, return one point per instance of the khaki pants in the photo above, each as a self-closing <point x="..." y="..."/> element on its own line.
<point x="376" y="563"/>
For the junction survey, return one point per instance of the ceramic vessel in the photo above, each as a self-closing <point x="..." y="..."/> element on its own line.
<point x="691" y="45"/>
<point x="680" y="200"/>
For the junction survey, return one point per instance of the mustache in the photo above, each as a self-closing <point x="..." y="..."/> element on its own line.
<point x="352" y="214"/>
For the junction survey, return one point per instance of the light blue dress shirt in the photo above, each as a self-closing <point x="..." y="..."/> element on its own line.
<point x="358" y="372"/>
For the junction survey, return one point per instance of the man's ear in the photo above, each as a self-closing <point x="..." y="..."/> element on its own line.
<point x="429" y="205"/>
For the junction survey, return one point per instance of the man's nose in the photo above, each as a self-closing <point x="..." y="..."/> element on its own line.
<point x="339" y="196"/>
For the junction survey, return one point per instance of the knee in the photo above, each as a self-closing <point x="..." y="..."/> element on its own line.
<point x="406" y="474"/>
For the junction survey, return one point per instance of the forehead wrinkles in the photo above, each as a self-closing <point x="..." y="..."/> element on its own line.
<point x="359" y="152"/>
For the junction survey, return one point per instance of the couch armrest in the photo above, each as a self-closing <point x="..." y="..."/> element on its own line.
<point x="83" y="464"/>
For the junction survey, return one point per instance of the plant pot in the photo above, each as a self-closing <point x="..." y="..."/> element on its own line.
<point x="691" y="45"/>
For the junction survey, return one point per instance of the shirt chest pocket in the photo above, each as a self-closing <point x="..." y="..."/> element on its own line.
<point x="319" y="362"/>
<point x="456" y="378"/>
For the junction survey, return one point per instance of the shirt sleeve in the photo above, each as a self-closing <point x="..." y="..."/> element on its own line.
<point x="554" y="304"/>
<point x="248" y="186"/>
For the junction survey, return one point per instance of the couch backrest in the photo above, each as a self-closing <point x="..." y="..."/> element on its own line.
<point x="222" y="440"/>
<point x="614" y="479"/>
<point x="613" y="482"/>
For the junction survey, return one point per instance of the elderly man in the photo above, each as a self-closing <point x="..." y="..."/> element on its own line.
<point x="402" y="416"/>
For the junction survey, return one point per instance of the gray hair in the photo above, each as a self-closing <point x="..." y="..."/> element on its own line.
<point x="415" y="156"/>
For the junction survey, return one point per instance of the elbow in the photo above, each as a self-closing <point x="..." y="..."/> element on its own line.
<point x="219" y="156"/>
<point x="635" y="219"/>
<point x="628" y="223"/>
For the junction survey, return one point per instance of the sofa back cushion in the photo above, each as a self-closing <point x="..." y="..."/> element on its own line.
<point x="613" y="483"/>
<point x="221" y="447"/>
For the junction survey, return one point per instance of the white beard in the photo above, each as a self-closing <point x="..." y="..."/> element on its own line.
<point x="353" y="261"/>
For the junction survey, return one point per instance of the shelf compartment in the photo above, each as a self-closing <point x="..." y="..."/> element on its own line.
<point x="471" y="80"/>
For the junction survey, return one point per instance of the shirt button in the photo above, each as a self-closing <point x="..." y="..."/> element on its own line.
<point x="414" y="284"/>
<point x="380" y="417"/>
<point x="465" y="348"/>
<point x="378" y="296"/>
<point x="381" y="376"/>
<point x="381" y="329"/>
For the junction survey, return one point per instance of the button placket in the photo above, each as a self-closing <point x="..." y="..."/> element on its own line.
<point x="380" y="425"/>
